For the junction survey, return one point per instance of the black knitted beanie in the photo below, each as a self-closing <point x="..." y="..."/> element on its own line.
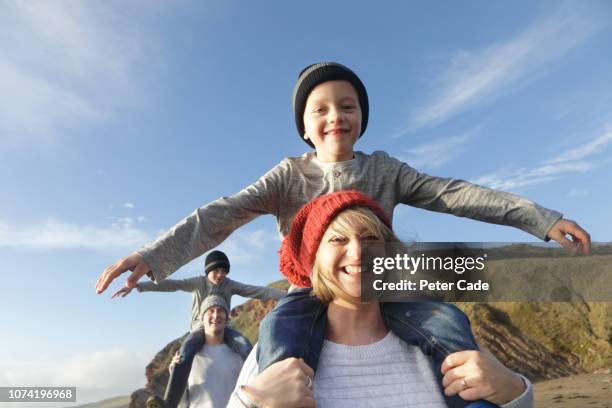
<point x="316" y="74"/>
<point x="216" y="259"/>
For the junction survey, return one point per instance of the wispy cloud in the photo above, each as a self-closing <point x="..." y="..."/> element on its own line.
<point x="581" y="152"/>
<point x="522" y="177"/>
<point x="479" y="75"/>
<point x="65" y="64"/>
<point x="128" y="205"/>
<point x="96" y="375"/>
<point x="435" y="154"/>
<point x="576" y="160"/>
<point x="55" y="234"/>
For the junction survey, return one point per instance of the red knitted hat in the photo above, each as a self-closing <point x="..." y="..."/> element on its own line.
<point x="299" y="248"/>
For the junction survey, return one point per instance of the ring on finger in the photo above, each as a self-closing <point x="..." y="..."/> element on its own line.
<point x="308" y="382"/>
<point x="464" y="384"/>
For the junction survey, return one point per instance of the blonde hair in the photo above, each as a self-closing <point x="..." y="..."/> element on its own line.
<point x="324" y="285"/>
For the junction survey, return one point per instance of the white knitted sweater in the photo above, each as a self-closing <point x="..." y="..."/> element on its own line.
<point x="388" y="373"/>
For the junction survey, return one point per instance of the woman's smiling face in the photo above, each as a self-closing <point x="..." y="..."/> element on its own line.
<point x="340" y="254"/>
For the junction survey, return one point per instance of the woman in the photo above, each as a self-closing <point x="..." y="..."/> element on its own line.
<point x="361" y="363"/>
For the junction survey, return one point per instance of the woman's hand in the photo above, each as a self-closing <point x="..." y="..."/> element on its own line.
<point x="123" y="292"/>
<point x="478" y="375"/>
<point x="175" y="359"/>
<point x="287" y="383"/>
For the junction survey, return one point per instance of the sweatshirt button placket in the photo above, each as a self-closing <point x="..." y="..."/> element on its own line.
<point x="337" y="174"/>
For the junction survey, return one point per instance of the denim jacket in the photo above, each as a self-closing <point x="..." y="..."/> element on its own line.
<point x="237" y="343"/>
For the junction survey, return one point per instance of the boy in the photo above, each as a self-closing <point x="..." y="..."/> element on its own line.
<point x="292" y="183"/>
<point x="214" y="283"/>
<point x="331" y="112"/>
<point x="216" y="365"/>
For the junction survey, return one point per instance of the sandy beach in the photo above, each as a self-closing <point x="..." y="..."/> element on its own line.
<point x="578" y="391"/>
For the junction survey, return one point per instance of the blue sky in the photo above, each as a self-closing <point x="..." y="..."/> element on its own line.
<point x="119" y="118"/>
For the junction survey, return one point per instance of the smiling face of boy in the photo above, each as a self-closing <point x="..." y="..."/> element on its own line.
<point x="332" y="120"/>
<point x="217" y="275"/>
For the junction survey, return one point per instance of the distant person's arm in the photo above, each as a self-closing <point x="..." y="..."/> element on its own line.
<point x="123" y="292"/>
<point x="175" y="359"/>
<point x="184" y="402"/>
<point x="168" y="285"/>
<point x="464" y="199"/>
<point x="256" y="292"/>
<point x="201" y="231"/>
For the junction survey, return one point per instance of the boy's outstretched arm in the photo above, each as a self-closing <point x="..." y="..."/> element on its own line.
<point x="256" y="292"/>
<point x="464" y="199"/>
<point x="123" y="292"/>
<point x="201" y="231"/>
<point x="167" y="285"/>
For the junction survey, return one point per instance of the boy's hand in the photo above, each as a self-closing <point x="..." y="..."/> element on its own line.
<point x="175" y="360"/>
<point x="123" y="292"/>
<point x="478" y="375"/>
<point x="581" y="240"/>
<point x="134" y="263"/>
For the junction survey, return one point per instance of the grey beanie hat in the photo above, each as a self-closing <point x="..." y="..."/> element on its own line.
<point x="316" y="74"/>
<point x="214" y="300"/>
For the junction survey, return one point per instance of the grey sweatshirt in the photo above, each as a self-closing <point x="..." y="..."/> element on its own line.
<point x="297" y="180"/>
<point x="200" y="287"/>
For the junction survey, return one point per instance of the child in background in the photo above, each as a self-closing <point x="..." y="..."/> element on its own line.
<point x="214" y="283"/>
<point x="331" y="112"/>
